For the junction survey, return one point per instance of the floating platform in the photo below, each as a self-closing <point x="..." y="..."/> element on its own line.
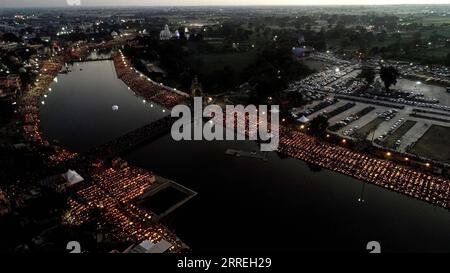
<point x="165" y="196"/>
<point x="254" y="154"/>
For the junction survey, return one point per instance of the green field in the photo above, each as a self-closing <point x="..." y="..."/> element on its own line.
<point x="434" y="144"/>
<point x="315" y="65"/>
<point x="206" y="63"/>
<point x="436" y="20"/>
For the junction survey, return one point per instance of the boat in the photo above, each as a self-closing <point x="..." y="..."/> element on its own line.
<point x="64" y="71"/>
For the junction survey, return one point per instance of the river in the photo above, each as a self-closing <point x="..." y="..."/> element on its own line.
<point x="78" y="111"/>
<point x="243" y="204"/>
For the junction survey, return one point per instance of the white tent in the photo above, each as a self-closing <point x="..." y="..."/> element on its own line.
<point x="72" y="177"/>
<point x="160" y="247"/>
<point x="147" y="246"/>
<point x="303" y="119"/>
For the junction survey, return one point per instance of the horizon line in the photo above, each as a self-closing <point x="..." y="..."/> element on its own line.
<point x="225" y="5"/>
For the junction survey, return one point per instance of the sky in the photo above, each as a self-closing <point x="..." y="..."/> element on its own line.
<point x="60" y="3"/>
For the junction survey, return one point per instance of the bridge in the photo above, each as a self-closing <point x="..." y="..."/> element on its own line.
<point x="132" y="140"/>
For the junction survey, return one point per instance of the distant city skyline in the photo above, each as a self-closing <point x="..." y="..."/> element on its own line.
<point x="62" y="3"/>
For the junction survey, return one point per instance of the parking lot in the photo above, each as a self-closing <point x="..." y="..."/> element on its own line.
<point x="394" y="120"/>
<point x="399" y="130"/>
<point x="428" y="90"/>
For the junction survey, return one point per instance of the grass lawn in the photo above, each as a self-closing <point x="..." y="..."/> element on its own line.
<point x="210" y="62"/>
<point x="315" y="64"/>
<point x="434" y="144"/>
<point x="435" y="20"/>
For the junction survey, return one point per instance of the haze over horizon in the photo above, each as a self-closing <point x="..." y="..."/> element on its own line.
<point x="92" y="3"/>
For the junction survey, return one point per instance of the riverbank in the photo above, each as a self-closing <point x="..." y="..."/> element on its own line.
<point x="144" y="86"/>
<point x="114" y="191"/>
<point x="125" y="220"/>
<point x="387" y="174"/>
<point x="426" y="187"/>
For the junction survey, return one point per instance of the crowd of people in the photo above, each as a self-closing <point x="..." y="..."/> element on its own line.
<point x="144" y="86"/>
<point x="112" y="191"/>
<point x="244" y="123"/>
<point x="384" y="173"/>
<point x="61" y="155"/>
<point x="29" y="106"/>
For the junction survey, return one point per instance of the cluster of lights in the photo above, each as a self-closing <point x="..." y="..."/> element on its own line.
<point x="63" y="32"/>
<point x="141" y="75"/>
<point x="409" y="181"/>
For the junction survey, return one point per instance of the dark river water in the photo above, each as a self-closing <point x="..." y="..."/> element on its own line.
<point x="78" y="109"/>
<point x="243" y="204"/>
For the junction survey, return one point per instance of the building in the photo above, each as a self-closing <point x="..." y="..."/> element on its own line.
<point x="9" y="85"/>
<point x="301" y="39"/>
<point x="115" y="35"/>
<point x="303" y="120"/>
<point x="302" y="51"/>
<point x="196" y="88"/>
<point x="72" y="177"/>
<point x="186" y="33"/>
<point x="153" y="69"/>
<point x="119" y="163"/>
<point x="165" y="34"/>
<point x="5" y="205"/>
<point x="59" y="183"/>
<point x="8" y="46"/>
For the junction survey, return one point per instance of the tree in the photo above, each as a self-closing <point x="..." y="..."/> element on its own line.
<point x="447" y="60"/>
<point x="389" y="76"/>
<point x="417" y="36"/>
<point x="10" y="37"/>
<point x="295" y="99"/>
<point x="368" y="74"/>
<point x="319" y="125"/>
<point x="273" y="69"/>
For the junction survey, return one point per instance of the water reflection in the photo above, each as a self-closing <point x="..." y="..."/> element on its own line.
<point x="314" y="167"/>
<point x="78" y="111"/>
